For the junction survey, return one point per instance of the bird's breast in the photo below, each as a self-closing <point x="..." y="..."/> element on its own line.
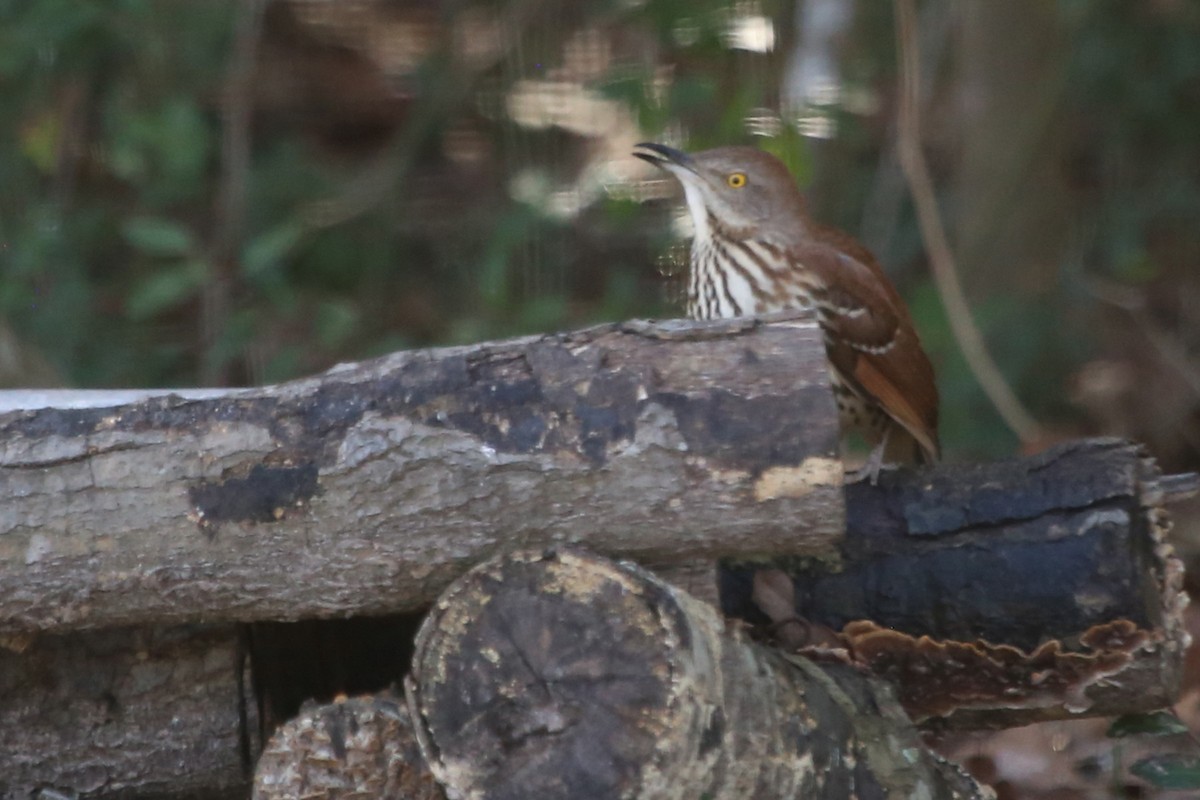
<point x="737" y="277"/>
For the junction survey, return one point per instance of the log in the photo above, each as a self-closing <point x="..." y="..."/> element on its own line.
<point x="156" y="712"/>
<point x="353" y="749"/>
<point x="367" y="489"/>
<point x="998" y="594"/>
<point x="563" y="675"/>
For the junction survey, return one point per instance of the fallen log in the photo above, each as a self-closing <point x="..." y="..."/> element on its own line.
<point x="153" y="712"/>
<point x="996" y="594"/>
<point x="361" y="747"/>
<point x="563" y="675"/>
<point x="367" y="489"/>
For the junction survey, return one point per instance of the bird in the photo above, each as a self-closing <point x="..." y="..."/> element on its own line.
<point x="757" y="250"/>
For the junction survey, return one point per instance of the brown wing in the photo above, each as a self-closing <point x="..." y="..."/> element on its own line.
<point x="872" y="342"/>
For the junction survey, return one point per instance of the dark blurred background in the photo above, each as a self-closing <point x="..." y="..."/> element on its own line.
<point x="227" y="193"/>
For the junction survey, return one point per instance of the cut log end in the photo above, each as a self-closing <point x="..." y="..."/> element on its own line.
<point x="562" y="675"/>
<point x="526" y="689"/>
<point x="998" y="594"/>
<point x="358" y="748"/>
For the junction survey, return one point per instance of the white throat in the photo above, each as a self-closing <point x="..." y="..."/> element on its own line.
<point x="695" y="204"/>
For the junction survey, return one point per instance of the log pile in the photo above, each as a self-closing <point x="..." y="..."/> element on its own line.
<point x="178" y="572"/>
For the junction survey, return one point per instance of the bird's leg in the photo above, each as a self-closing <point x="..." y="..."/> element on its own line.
<point x="874" y="463"/>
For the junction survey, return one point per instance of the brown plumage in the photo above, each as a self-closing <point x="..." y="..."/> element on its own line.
<point x="756" y="250"/>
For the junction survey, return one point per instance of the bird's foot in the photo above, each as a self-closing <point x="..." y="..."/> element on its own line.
<point x="871" y="467"/>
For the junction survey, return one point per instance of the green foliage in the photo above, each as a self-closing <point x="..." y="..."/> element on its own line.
<point x="1169" y="771"/>
<point x="158" y="237"/>
<point x="165" y="288"/>
<point x="967" y="417"/>
<point x="113" y="254"/>
<point x="1155" y="723"/>
<point x="263" y="257"/>
<point x="792" y="149"/>
<point x="1164" y="770"/>
<point x="109" y="153"/>
<point x="166" y="149"/>
<point x="1134" y="77"/>
<point x="116" y="262"/>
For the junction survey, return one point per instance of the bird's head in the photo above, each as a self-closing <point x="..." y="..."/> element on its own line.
<point x="745" y="190"/>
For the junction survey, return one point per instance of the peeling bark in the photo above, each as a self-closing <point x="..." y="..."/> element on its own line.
<point x="563" y="675"/>
<point x="1002" y="593"/>
<point x="367" y="489"/>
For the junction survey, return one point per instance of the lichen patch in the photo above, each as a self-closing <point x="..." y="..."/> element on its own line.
<point x="812" y="473"/>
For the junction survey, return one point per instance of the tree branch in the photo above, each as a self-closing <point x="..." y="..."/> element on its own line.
<point x="941" y="260"/>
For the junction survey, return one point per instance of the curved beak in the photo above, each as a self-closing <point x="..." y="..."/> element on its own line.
<point x="664" y="157"/>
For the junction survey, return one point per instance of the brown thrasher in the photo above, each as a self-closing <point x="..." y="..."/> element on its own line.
<point x="756" y="250"/>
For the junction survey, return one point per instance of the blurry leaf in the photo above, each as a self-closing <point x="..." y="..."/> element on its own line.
<point x="635" y="89"/>
<point x="165" y="149"/>
<point x="157" y="236"/>
<point x="1170" y="771"/>
<point x="165" y="288"/>
<point x="267" y="249"/>
<point x="493" y="279"/>
<point x="335" y="322"/>
<point x="465" y="330"/>
<point x="731" y="122"/>
<point x="63" y="29"/>
<point x="541" y="313"/>
<point x="626" y="295"/>
<point x="39" y="140"/>
<point x="792" y="149"/>
<point x="628" y="87"/>
<point x="621" y="210"/>
<point x="1156" y="723"/>
<point x="285" y="364"/>
<point x="232" y="339"/>
<point x="126" y="159"/>
<point x="693" y="93"/>
<point x="493" y="283"/>
<point x="182" y="139"/>
<point x="1138" y="268"/>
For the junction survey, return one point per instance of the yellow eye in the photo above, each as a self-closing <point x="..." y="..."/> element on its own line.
<point x="736" y="180"/>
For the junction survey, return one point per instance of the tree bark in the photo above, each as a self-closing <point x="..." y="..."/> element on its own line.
<point x="366" y="490"/>
<point x="998" y="594"/>
<point x="359" y="748"/>
<point x="156" y="712"/>
<point x="370" y="488"/>
<point x="562" y="675"/>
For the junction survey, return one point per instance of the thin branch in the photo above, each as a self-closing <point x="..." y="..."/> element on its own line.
<point x="236" y="102"/>
<point x="229" y="230"/>
<point x="941" y="260"/>
<point x="881" y="211"/>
